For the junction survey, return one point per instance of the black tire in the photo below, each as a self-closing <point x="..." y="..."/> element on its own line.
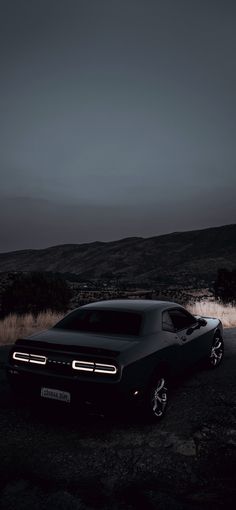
<point x="216" y="354"/>
<point x="156" y="399"/>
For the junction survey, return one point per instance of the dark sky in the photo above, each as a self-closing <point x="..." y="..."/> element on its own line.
<point x="117" y="119"/>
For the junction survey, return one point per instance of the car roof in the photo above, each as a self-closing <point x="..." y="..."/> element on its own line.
<point x="138" y="305"/>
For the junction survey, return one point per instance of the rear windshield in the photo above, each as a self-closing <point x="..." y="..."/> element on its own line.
<point x="102" y="321"/>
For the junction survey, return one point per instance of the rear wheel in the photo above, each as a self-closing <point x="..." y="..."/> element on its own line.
<point x="157" y="399"/>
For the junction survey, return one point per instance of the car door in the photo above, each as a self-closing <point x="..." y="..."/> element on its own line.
<point x="188" y="332"/>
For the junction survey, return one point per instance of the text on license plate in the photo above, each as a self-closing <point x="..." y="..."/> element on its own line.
<point x="55" y="394"/>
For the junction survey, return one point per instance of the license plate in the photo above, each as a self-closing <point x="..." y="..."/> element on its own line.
<point x="55" y="394"/>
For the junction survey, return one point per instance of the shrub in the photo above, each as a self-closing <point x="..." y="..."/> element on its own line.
<point x="36" y="292"/>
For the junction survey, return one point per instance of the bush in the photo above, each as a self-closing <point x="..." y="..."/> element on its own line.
<point x="36" y="292"/>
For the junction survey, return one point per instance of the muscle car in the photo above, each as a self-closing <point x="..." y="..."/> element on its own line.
<point x="124" y="351"/>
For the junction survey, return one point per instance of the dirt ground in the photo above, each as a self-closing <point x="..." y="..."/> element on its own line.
<point x="51" y="457"/>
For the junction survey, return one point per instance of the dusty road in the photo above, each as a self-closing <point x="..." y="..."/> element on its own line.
<point x="52" y="459"/>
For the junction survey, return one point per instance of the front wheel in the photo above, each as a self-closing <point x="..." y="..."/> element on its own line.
<point x="157" y="399"/>
<point x="217" y="352"/>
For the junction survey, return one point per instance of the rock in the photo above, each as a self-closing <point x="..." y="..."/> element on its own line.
<point x="187" y="448"/>
<point x="183" y="446"/>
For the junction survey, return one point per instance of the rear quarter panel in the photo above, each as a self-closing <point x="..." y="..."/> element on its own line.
<point x="157" y="350"/>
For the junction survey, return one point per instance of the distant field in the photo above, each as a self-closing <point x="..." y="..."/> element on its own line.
<point x="15" y="326"/>
<point x="227" y="313"/>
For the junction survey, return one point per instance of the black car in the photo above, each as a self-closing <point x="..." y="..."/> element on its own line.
<point x="117" y="351"/>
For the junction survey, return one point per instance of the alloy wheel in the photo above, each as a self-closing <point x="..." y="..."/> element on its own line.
<point x="217" y="351"/>
<point x="159" y="398"/>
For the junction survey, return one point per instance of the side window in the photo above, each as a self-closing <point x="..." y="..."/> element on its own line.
<point x="181" y="319"/>
<point x="167" y="324"/>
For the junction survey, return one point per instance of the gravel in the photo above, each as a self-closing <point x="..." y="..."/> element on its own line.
<point x="56" y="459"/>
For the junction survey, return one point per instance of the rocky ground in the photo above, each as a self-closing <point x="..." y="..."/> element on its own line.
<point x="52" y="459"/>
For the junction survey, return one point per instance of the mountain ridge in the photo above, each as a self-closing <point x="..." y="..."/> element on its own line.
<point x="171" y="258"/>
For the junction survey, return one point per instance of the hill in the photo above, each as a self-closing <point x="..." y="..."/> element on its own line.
<point x="179" y="258"/>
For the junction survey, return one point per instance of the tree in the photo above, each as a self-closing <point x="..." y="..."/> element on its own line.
<point x="225" y="285"/>
<point x="36" y="292"/>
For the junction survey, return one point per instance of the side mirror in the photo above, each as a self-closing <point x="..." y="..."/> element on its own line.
<point x="202" y="322"/>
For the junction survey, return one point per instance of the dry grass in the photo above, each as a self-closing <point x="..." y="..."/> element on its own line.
<point x="226" y="313"/>
<point x="14" y="326"/>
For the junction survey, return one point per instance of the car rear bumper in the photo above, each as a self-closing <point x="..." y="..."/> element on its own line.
<point x="28" y="385"/>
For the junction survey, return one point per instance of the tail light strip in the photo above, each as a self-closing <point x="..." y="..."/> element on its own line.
<point x="89" y="366"/>
<point x="29" y="358"/>
<point x="86" y="366"/>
